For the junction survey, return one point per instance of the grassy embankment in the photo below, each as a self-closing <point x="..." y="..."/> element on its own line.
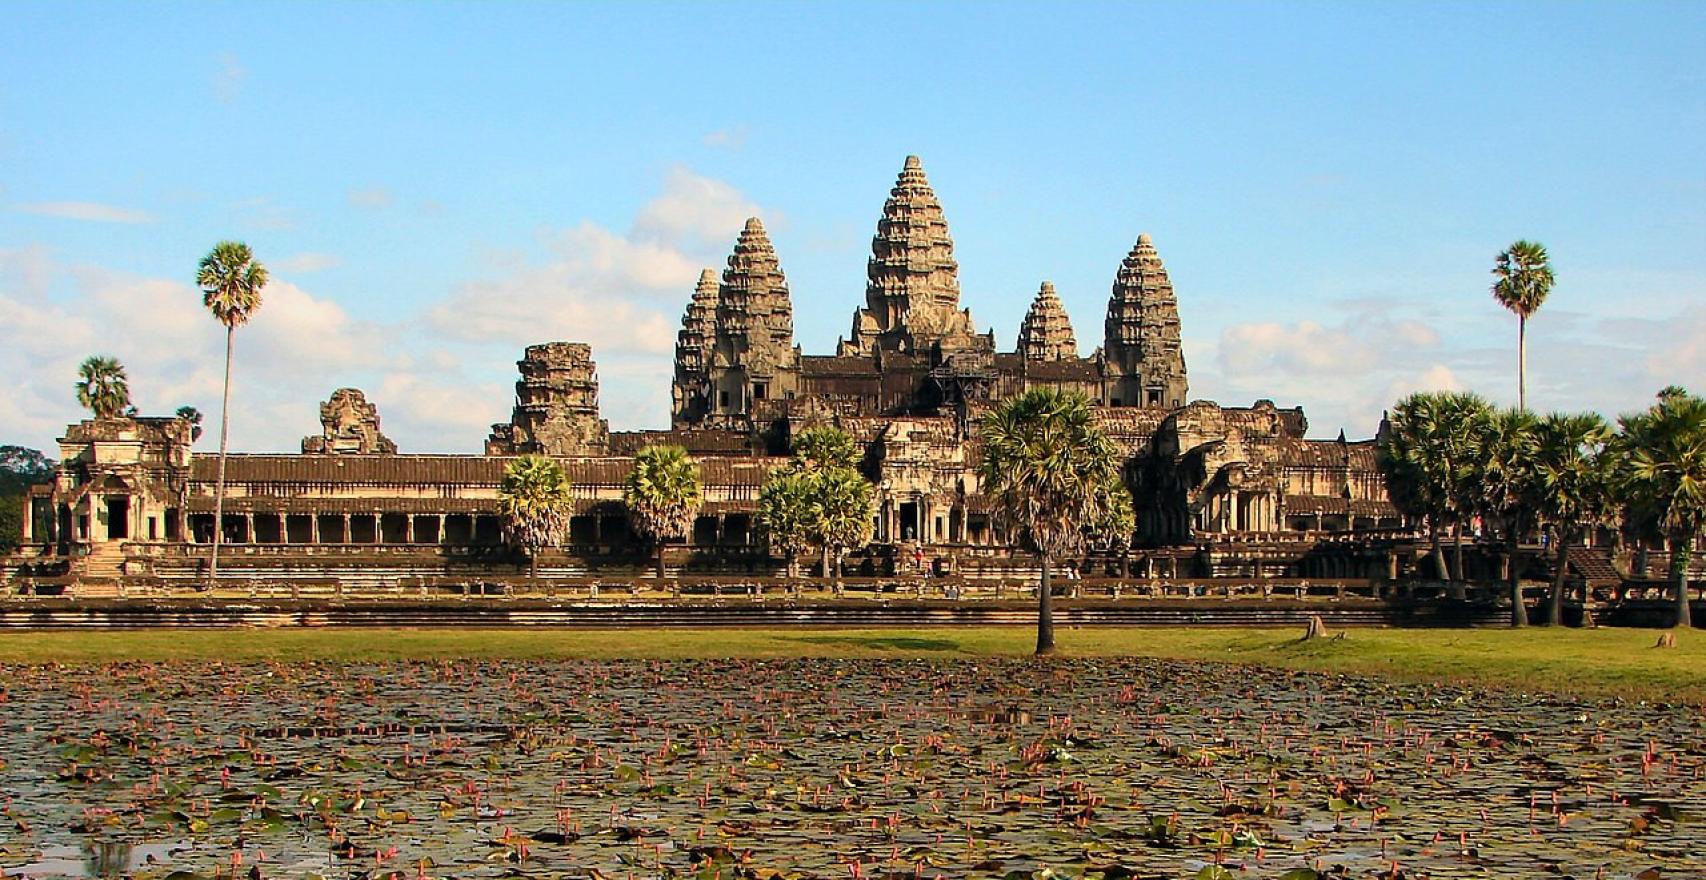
<point x="1605" y="662"/>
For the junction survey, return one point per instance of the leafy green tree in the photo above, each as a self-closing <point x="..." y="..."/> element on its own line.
<point x="193" y="416"/>
<point x="231" y="280"/>
<point x="827" y="457"/>
<point x="20" y="468"/>
<point x="823" y="448"/>
<point x="534" y="498"/>
<point x="102" y="387"/>
<point x="788" y="512"/>
<point x="844" y="515"/>
<point x="662" y="495"/>
<point x="1505" y="473"/>
<point x="1524" y="279"/>
<point x="1662" y="474"/>
<point x="1573" y="482"/>
<point x="1049" y="469"/>
<point x="1428" y="456"/>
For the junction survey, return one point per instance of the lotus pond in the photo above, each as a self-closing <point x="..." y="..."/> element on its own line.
<point x="1099" y="769"/>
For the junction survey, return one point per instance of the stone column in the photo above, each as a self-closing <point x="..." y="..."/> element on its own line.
<point x="347" y="537"/>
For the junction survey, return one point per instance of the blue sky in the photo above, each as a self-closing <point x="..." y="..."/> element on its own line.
<point x="437" y="185"/>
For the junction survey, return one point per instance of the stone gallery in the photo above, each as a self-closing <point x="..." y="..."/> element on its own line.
<point x="1218" y="490"/>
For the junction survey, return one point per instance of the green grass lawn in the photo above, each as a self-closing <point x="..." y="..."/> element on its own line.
<point x="1603" y="662"/>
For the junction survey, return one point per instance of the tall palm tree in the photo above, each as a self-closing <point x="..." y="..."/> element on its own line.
<point x="102" y="387"/>
<point x="193" y="416"/>
<point x="788" y="511"/>
<point x="1662" y="473"/>
<point x="1049" y="468"/>
<point x="1505" y="473"/>
<point x="1572" y="476"/>
<point x="1428" y="457"/>
<point x="1524" y="280"/>
<point x="230" y="279"/>
<point x="534" y="498"/>
<point x="662" y="495"/>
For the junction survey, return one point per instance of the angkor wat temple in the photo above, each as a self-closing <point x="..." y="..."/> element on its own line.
<point x="1218" y="490"/>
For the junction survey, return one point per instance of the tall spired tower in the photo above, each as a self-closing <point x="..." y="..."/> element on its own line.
<point x="1144" y="363"/>
<point x="752" y="357"/>
<point x="912" y="292"/>
<point x="690" y="391"/>
<point x="1046" y="334"/>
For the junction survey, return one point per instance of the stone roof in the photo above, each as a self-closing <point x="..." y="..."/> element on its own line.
<point x="460" y="470"/>
<point x="694" y="440"/>
<point x="1046" y="333"/>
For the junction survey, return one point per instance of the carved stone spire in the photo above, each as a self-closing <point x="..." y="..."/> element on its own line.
<point x="912" y="292"/>
<point x="1144" y="360"/>
<point x="692" y="351"/>
<point x="752" y="357"/>
<point x="1046" y="334"/>
<point x="755" y="317"/>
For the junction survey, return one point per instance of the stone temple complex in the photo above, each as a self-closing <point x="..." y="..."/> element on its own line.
<point x="1218" y="490"/>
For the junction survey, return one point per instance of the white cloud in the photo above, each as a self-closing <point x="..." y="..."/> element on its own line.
<point x="732" y="138"/>
<point x="228" y="80"/>
<point x="619" y="292"/>
<point x="695" y="212"/>
<point x="305" y="262"/>
<point x="372" y="198"/>
<point x="92" y="211"/>
<point x="293" y="352"/>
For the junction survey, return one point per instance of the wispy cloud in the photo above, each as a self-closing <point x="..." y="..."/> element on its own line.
<point x="307" y="261"/>
<point x="373" y="198"/>
<point x="733" y="138"/>
<point x="92" y="211"/>
<point x="228" y="80"/>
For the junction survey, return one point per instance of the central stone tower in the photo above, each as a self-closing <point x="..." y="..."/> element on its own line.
<point x="912" y="291"/>
<point x="1143" y="359"/>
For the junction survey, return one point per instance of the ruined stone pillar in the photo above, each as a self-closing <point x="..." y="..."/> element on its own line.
<point x="347" y="538"/>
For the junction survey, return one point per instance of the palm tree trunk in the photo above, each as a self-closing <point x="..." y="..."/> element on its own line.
<point x="219" y="484"/>
<point x="1682" y="551"/>
<point x="1457" y="579"/>
<point x="825" y="561"/>
<point x="1521" y="362"/>
<point x="835" y="578"/>
<point x="1045" y="613"/>
<point x="1519" y="611"/>
<point x="1555" y="602"/>
<point x="662" y="572"/>
<point x="1438" y="552"/>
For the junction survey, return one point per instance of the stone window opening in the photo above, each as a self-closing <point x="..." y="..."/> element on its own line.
<point x="758" y="390"/>
<point x="723" y="399"/>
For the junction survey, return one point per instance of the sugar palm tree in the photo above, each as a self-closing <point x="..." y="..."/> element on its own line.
<point x="1048" y="467"/>
<point x="1662" y="473"/>
<point x="1524" y="280"/>
<point x="102" y="388"/>
<point x="1573" y="482"/>
<point x="534" y="498"/>
<point x="1505" y="473"/>
<point x="1428" y="457"/>
<point x="231" y="280"/>
<point x="662" y="495"/>
<point x="193" y="416"/>
<point x="788" y="512"/>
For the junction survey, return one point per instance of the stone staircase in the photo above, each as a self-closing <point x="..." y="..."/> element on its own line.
<point x="1595" y="566"/>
